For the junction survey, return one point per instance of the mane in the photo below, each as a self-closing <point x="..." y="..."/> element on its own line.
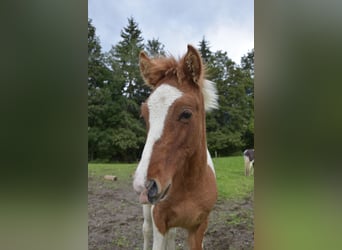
<point x="160" y="67"/>
<point x="209" y="92"/>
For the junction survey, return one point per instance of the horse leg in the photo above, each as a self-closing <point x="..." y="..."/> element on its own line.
<point x="247" y="165"/>
<point x="147" y="226"/>
<point x="195" y="237"/>
<point x="159" y="240"/>
<point x="171" y="239"/>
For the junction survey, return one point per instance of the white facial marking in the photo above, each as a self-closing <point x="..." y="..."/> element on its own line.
<point x="158" y="105"/>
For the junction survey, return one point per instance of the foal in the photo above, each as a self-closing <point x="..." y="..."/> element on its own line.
<point x="176" y="174"/>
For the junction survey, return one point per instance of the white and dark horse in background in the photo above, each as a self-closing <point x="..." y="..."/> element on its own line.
<point x="248" y="156"/>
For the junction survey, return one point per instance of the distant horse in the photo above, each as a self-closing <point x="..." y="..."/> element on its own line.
<point x="175" y="177"/>
<point x="248" y="156"/>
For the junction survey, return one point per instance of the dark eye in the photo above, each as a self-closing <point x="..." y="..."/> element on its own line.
<point x="185" y="115"/>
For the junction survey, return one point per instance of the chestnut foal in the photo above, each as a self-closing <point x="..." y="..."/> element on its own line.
<point x="175" y="176"/>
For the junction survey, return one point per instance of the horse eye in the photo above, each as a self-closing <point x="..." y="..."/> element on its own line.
<point x="186" y="114"/>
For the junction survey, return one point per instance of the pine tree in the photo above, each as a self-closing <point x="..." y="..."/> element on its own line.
<point x="154" y="48"/>
<point x="126" y="55"/>
<point x="204" y="49"/>
<point x="99" y="98"/>
<point x="128" y="132"/>
<point x="97" y="72"/>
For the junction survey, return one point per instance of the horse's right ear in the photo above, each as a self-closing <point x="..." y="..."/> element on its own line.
<point x="145" y="64"/>
<point x="193" y="65"/>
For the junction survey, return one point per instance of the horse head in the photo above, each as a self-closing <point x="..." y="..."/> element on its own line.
<point x="174" y="115"/>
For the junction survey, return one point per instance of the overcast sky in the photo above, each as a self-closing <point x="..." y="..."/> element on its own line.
<point x="228" y="25"/>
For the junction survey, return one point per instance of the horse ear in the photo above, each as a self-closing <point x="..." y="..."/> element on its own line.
<point x="193" y="66"/>
<point x="145" y="64"/>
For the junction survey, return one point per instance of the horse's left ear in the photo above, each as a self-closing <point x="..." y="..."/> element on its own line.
<point x="145" y="64"/>
<point x="193" y="65"/>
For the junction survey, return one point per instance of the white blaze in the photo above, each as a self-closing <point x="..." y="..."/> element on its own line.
<point x="158" y="105"/>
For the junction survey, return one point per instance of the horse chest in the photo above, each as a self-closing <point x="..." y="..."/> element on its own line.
<point x="186" y="214"/>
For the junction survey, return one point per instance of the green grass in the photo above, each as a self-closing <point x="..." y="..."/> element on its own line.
<point x="121" y="170"/>
<point x="231" y="181"/>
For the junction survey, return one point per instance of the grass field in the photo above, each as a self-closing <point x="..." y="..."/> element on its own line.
<point x="231" y="181"/>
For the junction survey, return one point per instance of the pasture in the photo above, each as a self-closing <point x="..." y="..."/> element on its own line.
<point x="115" y="216"/>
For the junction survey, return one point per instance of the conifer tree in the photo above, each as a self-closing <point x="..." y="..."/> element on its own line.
<point x="154" y="48"/>
<point x="99" y="99"/>
<point x="126" y="55"/>
<point x="204" y="49"/>
<point x="129" y="132"/>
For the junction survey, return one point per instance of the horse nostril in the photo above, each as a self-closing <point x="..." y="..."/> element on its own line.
<point x="149" y="184"/>
<point x="152" y="189"/>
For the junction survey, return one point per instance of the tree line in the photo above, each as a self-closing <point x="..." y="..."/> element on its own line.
<point x="116" y="132"/>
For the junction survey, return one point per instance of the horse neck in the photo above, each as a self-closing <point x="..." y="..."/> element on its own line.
<point x="192" y="172"/>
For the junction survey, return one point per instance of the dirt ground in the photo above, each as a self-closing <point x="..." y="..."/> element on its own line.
<point x="115" y="220"/>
